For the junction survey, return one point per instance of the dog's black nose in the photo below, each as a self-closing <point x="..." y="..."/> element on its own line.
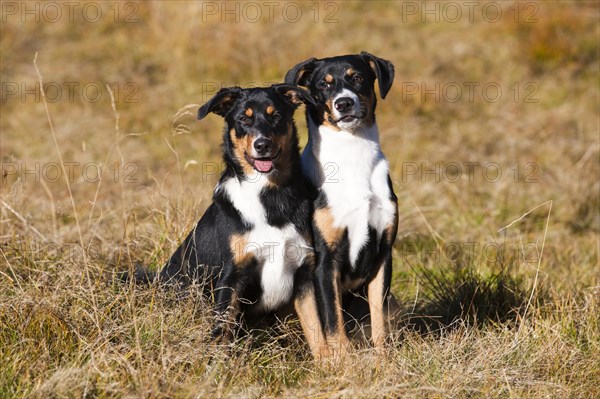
<point x="344" y="104"/>
<point x="263" y="146"/>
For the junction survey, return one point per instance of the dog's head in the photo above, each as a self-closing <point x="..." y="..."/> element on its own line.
<point x="260" y="134"/>
<point x="344" y="88"/>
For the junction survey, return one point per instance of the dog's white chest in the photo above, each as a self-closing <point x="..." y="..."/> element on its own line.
<point x="280" y="251"/>
<point x="355" y="182"/>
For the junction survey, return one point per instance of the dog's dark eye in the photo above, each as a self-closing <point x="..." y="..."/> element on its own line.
<point x="324" y="85"/>
<point x="245" y="120"/>
<point x="276" y="117"/>
<point x="357" y="79"/>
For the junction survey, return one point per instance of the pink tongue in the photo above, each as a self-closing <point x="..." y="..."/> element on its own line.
<point x="263" y="166"/>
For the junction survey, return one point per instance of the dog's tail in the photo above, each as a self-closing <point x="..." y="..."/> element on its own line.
<point x="140" y="275"/>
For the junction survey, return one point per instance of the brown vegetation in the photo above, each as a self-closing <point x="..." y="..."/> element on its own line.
<point x="66" y="330"/>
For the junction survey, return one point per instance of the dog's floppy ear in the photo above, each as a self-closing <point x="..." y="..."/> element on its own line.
<point x="294" y="95"/>
<point x="221" y="103"/>
<point x="384" y="70"/>
<point x="300" y="74"/>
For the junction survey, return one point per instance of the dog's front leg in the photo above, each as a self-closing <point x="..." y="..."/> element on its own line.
<point x="226" y="306"/>
<point x="378" y="291"/>
<point x="305" y="303"/>
<point x="381" y="301"/>
<point x="327" y="279"/>
<point x="329" y="300"/>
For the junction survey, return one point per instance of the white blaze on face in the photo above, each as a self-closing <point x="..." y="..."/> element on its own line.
<point x="354" y="111"/>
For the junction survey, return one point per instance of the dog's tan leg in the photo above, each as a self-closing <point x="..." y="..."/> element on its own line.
<point x="329" y="280"/>
<point x="377" y="294"/>
<point x="338" y="339"/>
<point x="306" y="308"/>
<point x="378" y="289"/>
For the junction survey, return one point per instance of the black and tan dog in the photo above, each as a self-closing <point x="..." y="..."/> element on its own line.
<point x="257" y="230"/>
<point x="356" y="213"/>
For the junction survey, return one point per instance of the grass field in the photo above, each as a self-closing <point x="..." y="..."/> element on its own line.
<point x="492" y="132"/>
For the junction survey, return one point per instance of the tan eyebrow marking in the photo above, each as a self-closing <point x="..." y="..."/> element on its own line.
<point x="270" y="109"/>
<point x="249" y="112"/>
<point x="350" y="71"/>
<point x="328" y="78"/>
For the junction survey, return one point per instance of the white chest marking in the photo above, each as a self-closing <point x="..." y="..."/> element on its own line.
<point x="280" y="251"/>
<point x="353" y="172"/>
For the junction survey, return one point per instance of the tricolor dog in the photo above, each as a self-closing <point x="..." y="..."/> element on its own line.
<point x="356" y="214"/>
<point x="257" y="231"/>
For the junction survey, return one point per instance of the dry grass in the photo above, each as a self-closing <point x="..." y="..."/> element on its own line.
<point x="67" y="331"/>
